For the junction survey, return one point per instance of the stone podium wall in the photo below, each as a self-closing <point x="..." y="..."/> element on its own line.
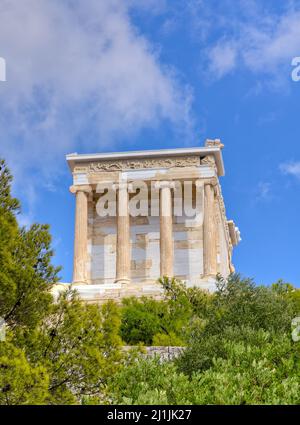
<point x="165" y="353"/>
<point x="187" y="236"/>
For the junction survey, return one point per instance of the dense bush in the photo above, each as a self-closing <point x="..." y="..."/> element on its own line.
<point x="142" y="320"/>
<point x="149" y="381"/>
<point x="239" y="348"/>
<point x="152" y="322"/>
<point x="165" y="322"/>
<point x="239" y="309"/>
<point x="264" y="370"/>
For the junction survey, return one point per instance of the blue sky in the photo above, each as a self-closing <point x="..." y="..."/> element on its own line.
<point x="93" y="76"/>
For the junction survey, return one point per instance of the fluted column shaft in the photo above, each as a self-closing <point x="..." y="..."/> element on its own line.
<point x="123" y="235"/>
<point x="80" y="239"/>
<point x="209" y="231"/>
<point x="166" y="229"/>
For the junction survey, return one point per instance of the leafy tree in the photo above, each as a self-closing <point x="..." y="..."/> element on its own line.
<point x="289" y="292"/>
<point x="141" y="320"/>
<point x="78" y="344"/>
<point x="240" y="302"/>
<point x="163" y="322"/>
<point x="20" y="381"/>
<point x="26" y="273"/>
<point x="27" y="298"/>
<point x="239" y="310"/>
<point x="188" y="299"/>
<point x="9" y="207"/>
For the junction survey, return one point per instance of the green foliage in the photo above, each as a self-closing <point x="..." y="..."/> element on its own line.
<point x="240" y="302"/>
<point x="238" y="311"/>
<point x="188" y="299"/>
<point x="27" y="298"/>
<point x="20" y="382"/>
<point x="9" y="206"/>
<point x="141" y="320"/>
<point x="162" y="322"/>
<point x="148" y="381"/>
<point x="239" y="349"/>
<point x="170" y="339"/>
<point x="289" y="292"/>
<point x="264" y="370"/>
<point x="26" y="273"/>
<point x="78" y="344"/>
<point x="165" y="322"/>
<point x="266" y="373"/>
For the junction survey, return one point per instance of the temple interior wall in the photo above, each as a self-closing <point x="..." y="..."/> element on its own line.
<point x="145" y="234"/>
<point x="144" y="247"/>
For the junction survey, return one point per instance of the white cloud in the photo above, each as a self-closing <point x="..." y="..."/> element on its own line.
<point x="272" y="45"/>
<point x="79" y="77"/>
<point x="263" y="191"/>
<point x="292" y="168"/>
<point x="263" y="39"/>
<point x="222" y="58"/>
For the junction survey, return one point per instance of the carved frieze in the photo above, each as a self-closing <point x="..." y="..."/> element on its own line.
<point x="209" y="160"/>
<point x="136" y="164"/>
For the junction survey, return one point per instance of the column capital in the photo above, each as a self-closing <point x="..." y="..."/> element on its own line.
<point x="199" y="183"/>
<point x="164" y="184"/>
<point x="80" y="188"/>
<point x="213" y="181"/>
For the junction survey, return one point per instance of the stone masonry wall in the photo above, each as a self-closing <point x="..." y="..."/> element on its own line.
<point x="164" y="352"/>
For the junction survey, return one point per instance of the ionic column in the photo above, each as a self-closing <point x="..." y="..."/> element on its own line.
<point x="166" y="231"/>
<point x="80" y="239"/>
<point x="123" y="234"/>
<point x="209" y="230"/>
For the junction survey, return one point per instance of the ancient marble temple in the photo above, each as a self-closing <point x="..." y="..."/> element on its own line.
<point x="145" y="214"/>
